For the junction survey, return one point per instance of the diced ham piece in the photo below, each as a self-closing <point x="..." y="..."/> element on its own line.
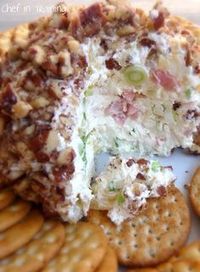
<point x="132" y="112"/>
<point x="117" y="110"/>
<point x="123" y="108"/>
<point x="128" y="95"/>
<point x="165" y="79"/>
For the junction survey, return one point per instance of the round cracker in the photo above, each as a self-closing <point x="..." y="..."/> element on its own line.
<point x="35" y="255"/>
<point x="153" y="235"/>
<point x="109" y="263"/>
<point x="165" y="267"/>
<point x="13" y="214"/>
<point x="84" y="248"/>
<point x="6" y="198"/>
<point x="20" y="234"/>
<point x="194" y="191"/>
<point x="180" y="266"/>
<point x="143" y="270"/>
<point x="190" y="252"/>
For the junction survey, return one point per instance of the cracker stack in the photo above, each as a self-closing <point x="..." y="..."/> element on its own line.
<point x="28" y="243"/>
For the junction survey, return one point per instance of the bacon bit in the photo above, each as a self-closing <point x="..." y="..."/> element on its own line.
<point x="142" y="162"/>
<point x="8" y="99"/>
<point x="81" y="61"/>
<point x="22" y="66"/>
<point x="185" y="32"/>
<point x="188" y="57"/>
<point x="130" y="162"/>
<point x="148" y="42"/>
<point x="6" y="81"/>
<point x="192" y="114"/>
<point x="104" y="45"/>
<point x="54" y="155"/>
<point x="197" y="137"/>
<point x="176" y="105"/>
<point x="165" y="79"/>
<point x="197" y="69"/>
<point x="130" y="19"/>
<point x="48" y="65"/>
<point x="79" y="83"/>
<point x="63" y="22"/>
<point x="70" y="157"/>
<point x="112" y="64"/>
<point x="163" y="13"/>
<point x="92" y="17"/>
<point x="52" y="93"/>
<point x="159" y="21"/>
<point x="76" y="29"/>
<point x="140" y="176"/>
<point x="63" y="173"/>
<point x="161" y="191"/>
<point x="32" y="51"/>
<point x="89" y="22"/>
<point x="42" y="157"/>
<point x="61" y="192"/>
<point x="168" y="167"/>
<point x="38" y="142"/>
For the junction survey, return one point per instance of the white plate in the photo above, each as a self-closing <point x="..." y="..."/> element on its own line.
<point x="15" y="12"/>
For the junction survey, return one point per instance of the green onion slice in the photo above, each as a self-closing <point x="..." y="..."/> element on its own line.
<point x="89" y="91"/>
<point x="120" y="199"/>
<point x="135" y="75"/>
<point x="175" y="115"/>
<point x="155" y="166"/>
<point x="188" y="93"/>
